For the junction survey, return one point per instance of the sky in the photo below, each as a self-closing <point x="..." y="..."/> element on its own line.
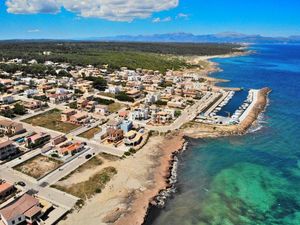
<point x="65" y="19"/>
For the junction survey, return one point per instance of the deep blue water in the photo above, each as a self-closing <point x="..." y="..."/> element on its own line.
<point x="252" y="179"/>
<point x="235" y="102"/>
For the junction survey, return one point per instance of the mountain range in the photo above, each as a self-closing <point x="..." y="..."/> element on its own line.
<point x="226" y="37"/>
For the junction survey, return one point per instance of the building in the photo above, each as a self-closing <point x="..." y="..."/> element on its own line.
<point x="37" y="140"/>
<point x="152" y="98"/>
<point x="126" y="125"/>
<point x="140" y="114"/>
<point x="71" y="149"/>
<point x="101" y="110"/>
<point x="59" y="139"/>
<point x="7" y="149"/>
<point x="134" y="93"/>
<point x="10" y="128"/>
<point x="114" y="135"/>
<point x="113" y="124"/>
<point x="82" y="103"/>
<point x="90" y="107"/>
<point x="6" y="99"/>
<point x="132" y="138"/>
<point x="6" y="189"/>
<point x="66" y="114"/>
<point x="79" y="118"/>
<point x="32" y="104"/>
<point x="26" y="209"/>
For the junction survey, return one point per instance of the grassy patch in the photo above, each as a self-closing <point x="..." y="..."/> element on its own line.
<point x="92" y="163"/>
<point x="114" y="107"/>
<point x="51" y="120"/>
<point x="85" y="190"/>
<point x="38" y="166"/>
<point x="89" y="134"/>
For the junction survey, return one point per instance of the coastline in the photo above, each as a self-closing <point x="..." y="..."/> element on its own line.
<point x="147" y="173"/>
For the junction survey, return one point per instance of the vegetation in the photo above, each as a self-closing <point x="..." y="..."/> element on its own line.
<point x="114" y="107"/>
<point x="19" y="109"/>
<point x="92" y="163"/>
<point x="103" y="101"/>
<point x="161" y="103"/>
<point x="99" y="83"/>
<point x="115" y="55"/>
<point x="122" y="96"/>
<point x="38" y="166"/>
<point x="89" y="134"/>
<point x="177" y="113"/>
<point x="51" y="120"/>
<point x="87" y="189"/>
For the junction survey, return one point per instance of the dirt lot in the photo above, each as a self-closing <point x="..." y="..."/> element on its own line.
<point x="90" y="133"/>
<point x="51" y="120"/>
<point x="88" y="179"/>
<point x="88" y="188"/>
<point x="38" y="166"/>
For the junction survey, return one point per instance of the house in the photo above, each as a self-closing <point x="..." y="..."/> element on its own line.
<point x="59" y="139"/>
<point x="26" y="209"/>
<point x="90" y="107"/>
<point x="32" y="104"/>
<point x="10" y="128"/>
<point x="134" y="93"/>
<point x="6" y="98"/>
<point x="126" y="125"/>
<point x="101" y="110"/>
<point x="59" y="98"/>
<point x="79" y="118"/>
<point x="82" y="103"/>
<point x="84" y="86"/>
<point x="152" y="98"/>
<point x="66" y="114"/>
<point x="7" y="149"/>
<point x="37" y="140"/>
<point x="123" y="114"/>
<point x="140" y="114"/>
<point x="6" y="82"/>
<point x="132" y="138"/>
<point x="6" y="189"/>
<point x="113" y="124"/>
<point x="114" y="135"/>
<point x="71" y="149"/>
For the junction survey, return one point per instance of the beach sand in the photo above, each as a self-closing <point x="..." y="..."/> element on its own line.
<point x="126" y="197"/>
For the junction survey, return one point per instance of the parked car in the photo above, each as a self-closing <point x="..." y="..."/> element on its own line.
<point x="88" y="156"/>
<point x="21" y="183"/>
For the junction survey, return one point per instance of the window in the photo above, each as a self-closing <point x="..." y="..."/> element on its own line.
<point x="20" y="218"/>
<point x="13" y="222"/>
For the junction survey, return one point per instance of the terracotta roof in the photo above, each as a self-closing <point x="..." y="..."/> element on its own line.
<point x="4" y="143"/>
<point x="5" y="186"/>
<point x="19" y="207"/>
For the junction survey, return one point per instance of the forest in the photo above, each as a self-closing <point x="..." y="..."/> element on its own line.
<point x="155" y="56"/>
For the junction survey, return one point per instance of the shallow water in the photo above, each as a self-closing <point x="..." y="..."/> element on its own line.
<point x="252" y="179"/>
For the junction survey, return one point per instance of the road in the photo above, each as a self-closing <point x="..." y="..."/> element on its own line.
<point x="186" y="116"/>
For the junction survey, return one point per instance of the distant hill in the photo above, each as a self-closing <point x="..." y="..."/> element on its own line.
<point x="226" y="37"/>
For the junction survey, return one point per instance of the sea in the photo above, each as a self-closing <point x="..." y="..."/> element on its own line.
<point x="252" y="179"/>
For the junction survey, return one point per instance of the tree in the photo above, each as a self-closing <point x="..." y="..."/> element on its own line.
<point x="122" y="96"/>
<point x="99" y="83"/>
<point x="19" y="109"/>
<point x="177" y="113"/>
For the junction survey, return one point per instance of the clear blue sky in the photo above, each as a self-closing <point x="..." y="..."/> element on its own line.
<point x="94" y="18"/>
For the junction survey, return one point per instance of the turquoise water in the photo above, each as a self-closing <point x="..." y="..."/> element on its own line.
<point x="252" y="179"/>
